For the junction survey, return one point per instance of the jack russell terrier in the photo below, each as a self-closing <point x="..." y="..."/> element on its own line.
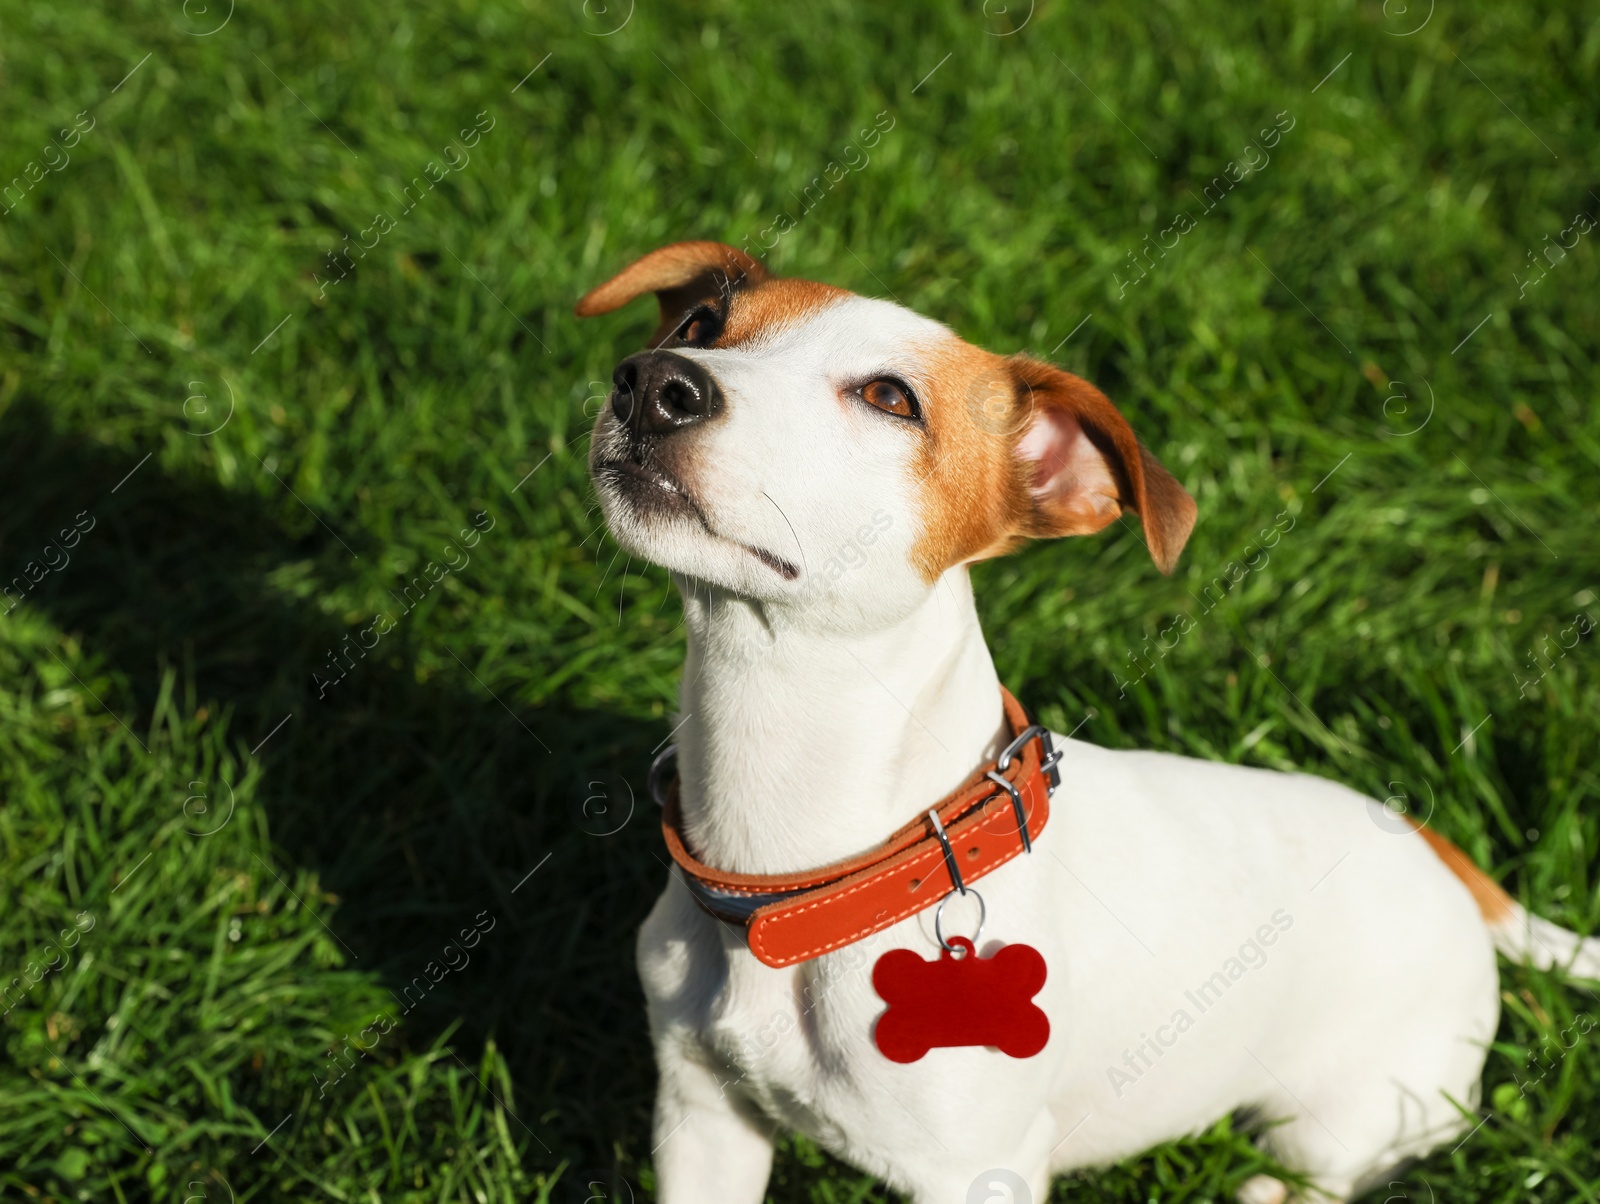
<point x="1212" y="937"/>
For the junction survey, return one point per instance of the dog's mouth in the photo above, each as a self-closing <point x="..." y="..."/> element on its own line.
<point x="651" y="490"/>
<point x="773" y="561"/>
<point x="647" y="488"/>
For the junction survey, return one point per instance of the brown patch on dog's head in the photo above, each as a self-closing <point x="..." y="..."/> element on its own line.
<point x="973" y="489"/>
<point x="682" y="276"/>
<point x="1019" y="449"/>
<point x="747" y="300"/>
<point x="772" y="304"/>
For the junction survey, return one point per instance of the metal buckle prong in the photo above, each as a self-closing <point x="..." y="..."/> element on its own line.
<point x="1003" y="761"/>
<point x="1047" y="763"/>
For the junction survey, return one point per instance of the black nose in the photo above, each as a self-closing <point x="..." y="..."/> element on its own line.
<point x="658" y="392"/>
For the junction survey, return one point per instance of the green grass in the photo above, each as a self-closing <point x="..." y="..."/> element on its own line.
<point x="260" y="895"/>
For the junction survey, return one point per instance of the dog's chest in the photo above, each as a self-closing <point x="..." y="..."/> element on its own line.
<point x="783" y="1036"/>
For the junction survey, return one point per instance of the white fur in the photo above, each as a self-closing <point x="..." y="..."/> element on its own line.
<point x="822" y="713"/>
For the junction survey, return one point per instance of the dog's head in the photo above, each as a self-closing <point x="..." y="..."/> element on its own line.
<point x="788" y="440"/>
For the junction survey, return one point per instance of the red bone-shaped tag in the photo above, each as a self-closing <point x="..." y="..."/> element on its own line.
<point x="966" y="1000"/>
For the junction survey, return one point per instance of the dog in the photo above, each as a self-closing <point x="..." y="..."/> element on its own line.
<point x="816" y="470"/>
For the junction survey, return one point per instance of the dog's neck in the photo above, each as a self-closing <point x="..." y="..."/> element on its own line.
<point x="800" y="746"/>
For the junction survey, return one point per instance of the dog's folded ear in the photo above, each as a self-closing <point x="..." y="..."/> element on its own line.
<point x="1083" y="465"/>
<point x="682" y="275"/>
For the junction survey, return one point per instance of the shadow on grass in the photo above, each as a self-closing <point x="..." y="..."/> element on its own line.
<point x="420" y="804"/>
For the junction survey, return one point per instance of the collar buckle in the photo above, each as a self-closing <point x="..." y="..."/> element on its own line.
<point x="1049" y="759"/>
<point x="1047" y="764"/>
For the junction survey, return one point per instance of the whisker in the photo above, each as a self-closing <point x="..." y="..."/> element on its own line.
<point x="790" y="525"/>
<point x="609" y="567"/>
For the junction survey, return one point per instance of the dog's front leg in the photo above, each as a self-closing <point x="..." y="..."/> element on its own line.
<point x="709" y="1144"/>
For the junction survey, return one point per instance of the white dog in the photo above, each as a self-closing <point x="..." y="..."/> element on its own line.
<point x="817" y="470"/>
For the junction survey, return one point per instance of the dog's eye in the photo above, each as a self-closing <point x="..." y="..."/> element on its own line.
<point x="700" y="328"/>
<point x="891" y="397"/>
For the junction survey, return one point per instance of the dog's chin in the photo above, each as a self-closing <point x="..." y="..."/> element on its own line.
<point x="654" y="517"/>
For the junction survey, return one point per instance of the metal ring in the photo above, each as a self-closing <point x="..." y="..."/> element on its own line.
<point x="654" y="779"/>
<point x="938" y="920"/>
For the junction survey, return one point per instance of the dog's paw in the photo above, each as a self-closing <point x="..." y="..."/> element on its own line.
<point x="1263" y="1189"/>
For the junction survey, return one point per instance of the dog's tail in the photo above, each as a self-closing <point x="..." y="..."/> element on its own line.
<point x="1519" y="934"/>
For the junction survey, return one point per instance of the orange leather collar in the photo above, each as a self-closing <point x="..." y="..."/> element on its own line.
<point x="790" y="918"/>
